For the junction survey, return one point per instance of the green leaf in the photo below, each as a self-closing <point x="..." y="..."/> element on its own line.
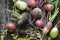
<point x="56" y="3"/>
<point x="54" y="16"/>
<point x="15" y="14"/>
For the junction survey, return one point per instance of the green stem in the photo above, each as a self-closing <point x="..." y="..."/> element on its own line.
<point x="16" y="14"/>
<point x="49" y="38"/>
<point x="42" y="37"/>
<point x="49" y="15"/>
<point x="54" y="16"/>
<point x="45" y="1"/>
<point x="14" y="1"/>
<point x="3" y="34"/>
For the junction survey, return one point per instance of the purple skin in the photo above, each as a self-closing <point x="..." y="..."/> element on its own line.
<point x="40" y="3"/>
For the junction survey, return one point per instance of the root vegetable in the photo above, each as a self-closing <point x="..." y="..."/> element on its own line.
<point x="36" y="13"/>
<point x="24" y="18"/>
<point x="40" y="3"/>
<point x="39" y="23"/>
<point x="47" y="28"/>
<point x="21" y="5"/>
<point x="54" y="32"/>
<point x="11" y="26"/>
<point x="49" y="7"/>
<point x="32" y="3"/>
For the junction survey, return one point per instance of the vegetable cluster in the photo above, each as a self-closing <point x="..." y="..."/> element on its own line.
<point x="29" y="19"/>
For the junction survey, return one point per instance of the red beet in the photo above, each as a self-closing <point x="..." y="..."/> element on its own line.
<point x="11" y="26"/>
<point x="49" y="7"/>
<point x="32" y="3"/>
<point x="39" y="23"/>
<point x="36" y="13"/>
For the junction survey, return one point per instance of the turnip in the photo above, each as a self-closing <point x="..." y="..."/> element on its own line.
<point x="32" y="3"/>
<point x="11" y="26"/>
<point x="21" y="5"/>
<point x="36" y="13"/>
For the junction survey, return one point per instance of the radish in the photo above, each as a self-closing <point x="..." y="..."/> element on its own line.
<point x="47" y="27"/>
<point x="21" y="5"/>
<point x="36" y="13"/>
<point x="32" y="3"/>
<point x="39" y="23"/>
<point x="11" y="26"/>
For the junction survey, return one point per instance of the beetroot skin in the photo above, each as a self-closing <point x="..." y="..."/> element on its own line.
<point x="32" y="3"/>
<point x="39" y="23"/>
<point x="49" y="7"/>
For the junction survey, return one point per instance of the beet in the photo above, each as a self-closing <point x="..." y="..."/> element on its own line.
<point x="36" y="13"/>
<point x="32" y="3"/>
<point x="49" y="7"/>
<point x="11" y="26"/>
<point x="39" y="23"/>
